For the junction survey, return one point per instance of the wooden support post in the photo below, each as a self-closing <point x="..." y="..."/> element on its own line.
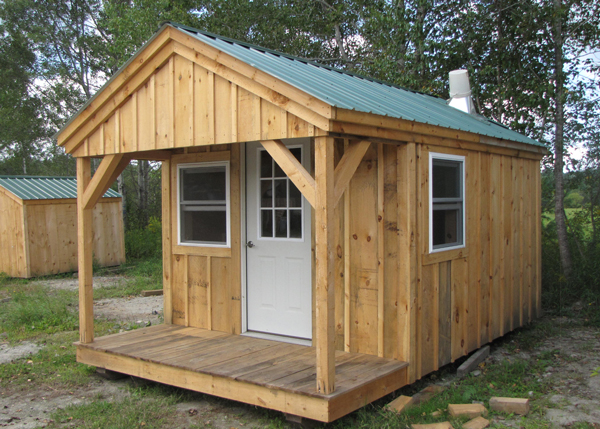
<point x="84" y="249"/>
<point x="324" y="239"/>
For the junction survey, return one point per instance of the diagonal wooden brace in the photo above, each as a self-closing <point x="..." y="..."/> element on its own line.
<point x="347" y="166"/>
<point x="292" y="168"/>
<point x="108" y="171"/>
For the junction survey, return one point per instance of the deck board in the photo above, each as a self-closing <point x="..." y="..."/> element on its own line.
<point x="210" y="361"/>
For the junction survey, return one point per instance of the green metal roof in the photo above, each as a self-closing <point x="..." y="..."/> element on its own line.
<point x="353" y="92"/>
<point x="44" y="187"/>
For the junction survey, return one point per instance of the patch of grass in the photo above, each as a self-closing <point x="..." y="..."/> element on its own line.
<point x="35" y="309"/>
<point x="146" y="407"/>
<point x="54" y="365"/>
<point x="511" y="378"/>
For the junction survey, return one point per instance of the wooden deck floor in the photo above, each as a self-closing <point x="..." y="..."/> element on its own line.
<point x="265" y="373"/>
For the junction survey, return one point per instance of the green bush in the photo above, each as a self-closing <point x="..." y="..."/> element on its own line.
<point x="559" y="294"/>
<point x="145" y="242"/>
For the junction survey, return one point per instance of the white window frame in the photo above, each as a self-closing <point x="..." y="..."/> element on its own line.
<point x="180" y="167"/>
<point x="463" y="227"/>
<point x="258" y="201"/>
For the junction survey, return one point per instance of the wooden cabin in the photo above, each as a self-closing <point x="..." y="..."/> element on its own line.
<point x="327" y="238"/>
<point x="38" y="226"/>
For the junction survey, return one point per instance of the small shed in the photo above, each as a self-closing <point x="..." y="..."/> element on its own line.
<point x="327" y="238"/>
<point x="38" y="226"/>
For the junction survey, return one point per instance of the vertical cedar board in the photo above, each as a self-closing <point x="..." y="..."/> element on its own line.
<point x="12" y="240"/>
<point x="391" y="253"/>
<point x="484" y="254"/>
<point x="473" y="231"/>
<point x="198" y="284"/>
<point x="497" y="247"/>
<point x="428" y="318"/>
<point x="338" y="216"/>
<point x="363" y="256"/>
<point x="445" y="317"/>
<point x="507" y="172"/>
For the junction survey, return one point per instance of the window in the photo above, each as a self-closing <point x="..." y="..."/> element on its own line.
<point x="280" y="200"/>
<point x="203" y="191"/>
<point x="447" y="208"/>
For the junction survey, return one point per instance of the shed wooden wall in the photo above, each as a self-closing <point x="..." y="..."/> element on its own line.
<point x="51" y="236"/>
<point x="13" y="256"/>
<point x="202" y="284"/>
<point x="394" y="299"/>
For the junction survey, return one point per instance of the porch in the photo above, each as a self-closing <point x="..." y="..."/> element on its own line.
<point x="260" y="372"/>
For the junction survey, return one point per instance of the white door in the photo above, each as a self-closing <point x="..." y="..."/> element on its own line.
<point x="278" y="252"/>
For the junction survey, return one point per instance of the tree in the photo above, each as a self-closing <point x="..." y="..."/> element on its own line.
<point x="20" y="125"/>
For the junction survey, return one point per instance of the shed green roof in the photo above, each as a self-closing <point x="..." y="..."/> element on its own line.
<point x="353" y="92"/>
<point x="44" y="187"/>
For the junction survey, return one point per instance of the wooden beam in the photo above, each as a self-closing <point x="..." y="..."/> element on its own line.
<point x="324" y="262"/>
<point x="102" y="179"/>
<point x="152" y="155"/>
<point x="347" y="166"/>
<point x="166" y="241"/>
<point x="84" y="250"/>
<point x="292" y="168"/>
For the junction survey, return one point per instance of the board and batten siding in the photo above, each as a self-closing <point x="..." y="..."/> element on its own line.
<point x="202" y="285"/>
<point x="39" y="237"/>
<point x="394" y="298"/>
<point x="52" y="235"/>
<point x="13" y="255"/>
<point x="182" y="104"/>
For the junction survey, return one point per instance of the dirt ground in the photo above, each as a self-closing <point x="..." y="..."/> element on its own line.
<point x="575" y="396"/>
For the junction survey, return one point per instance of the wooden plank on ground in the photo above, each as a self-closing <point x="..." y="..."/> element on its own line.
<point x="153" y="292"/>
<point x="510" y="405"/>
<point x="469" y="410"/>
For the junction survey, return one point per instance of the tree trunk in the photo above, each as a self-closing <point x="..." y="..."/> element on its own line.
<point x="143" y="179"/>
<point x="121" y="189"/>
<point x="559" y="212"/>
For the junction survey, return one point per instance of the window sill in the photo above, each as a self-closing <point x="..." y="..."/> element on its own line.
<point x="444" y="255"/>
<point x="223" y="252"/>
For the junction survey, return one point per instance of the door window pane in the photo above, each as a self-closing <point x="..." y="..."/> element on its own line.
<point x="278" y="195"/>
<point x="295" y="223"/>
<point x="266" y="219"/>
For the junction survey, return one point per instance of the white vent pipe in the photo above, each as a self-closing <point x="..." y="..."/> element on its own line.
<point x="460" y="91"/>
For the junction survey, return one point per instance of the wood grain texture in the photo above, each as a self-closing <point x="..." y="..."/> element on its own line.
<point x="259" y="372"/>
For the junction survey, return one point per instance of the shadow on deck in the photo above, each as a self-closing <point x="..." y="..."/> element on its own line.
<point x="265" y="373"/>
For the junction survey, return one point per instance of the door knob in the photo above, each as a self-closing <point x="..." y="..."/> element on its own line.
<point x="250" y="244"/>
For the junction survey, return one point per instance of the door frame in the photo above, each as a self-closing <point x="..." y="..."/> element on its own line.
<point x="243" y="261"/>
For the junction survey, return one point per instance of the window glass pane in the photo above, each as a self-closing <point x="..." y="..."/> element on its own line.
<point x="445" y="226"/>
<point x="266" y="193"/>
<point x="281" y="193"/>
<point x="295" y="223"/>
<point x="266" y="164"/>
<point x="204" y="183"/>
<point x="297" y="152"/>
<point x="446" y="179"/>
<point x="205" y="226"/>
<point x="281" y="223"/>
<point x="266" y="227"/>
<point x="295" y="196"/>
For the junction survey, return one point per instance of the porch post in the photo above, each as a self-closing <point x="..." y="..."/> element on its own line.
<point x="84" y="251"/>
<point x="324" y="237"/>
